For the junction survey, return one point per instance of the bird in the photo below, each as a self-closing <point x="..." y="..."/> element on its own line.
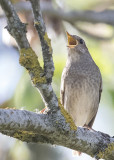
<point x="81" y="84"/>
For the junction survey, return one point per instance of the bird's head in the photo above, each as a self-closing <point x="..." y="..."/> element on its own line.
<point x="76" y="44"/>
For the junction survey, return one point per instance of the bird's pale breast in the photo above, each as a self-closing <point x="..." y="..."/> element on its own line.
<point x="81" y="93"/>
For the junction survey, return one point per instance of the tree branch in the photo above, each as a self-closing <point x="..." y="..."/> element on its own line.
<point x="28" y="58"/>
<point x="45" y="41"/>
<point x="105" y="16"/>
<point x="51" y="128"/>
<point x="75" y="16"/>
<point x="82" y="16"/>
<point x="55" y="127"/>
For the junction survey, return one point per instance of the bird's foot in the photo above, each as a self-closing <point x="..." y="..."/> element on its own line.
<point x="44" y="110"/>
<point x="89" y="128"/>
<point x="76" y="153"/>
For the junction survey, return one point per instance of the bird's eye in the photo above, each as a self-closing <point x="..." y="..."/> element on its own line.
<point x="81" y="41"/>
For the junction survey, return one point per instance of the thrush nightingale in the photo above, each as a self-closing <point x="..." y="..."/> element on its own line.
<point x="81" y="83"/>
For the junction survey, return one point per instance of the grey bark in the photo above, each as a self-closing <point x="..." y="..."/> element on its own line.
<point x="18" y="30"/>
<point x="46" y="49"/>
<point x="51" y="128"/>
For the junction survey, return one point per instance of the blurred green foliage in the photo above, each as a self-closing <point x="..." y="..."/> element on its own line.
<point x="81" y="4"/>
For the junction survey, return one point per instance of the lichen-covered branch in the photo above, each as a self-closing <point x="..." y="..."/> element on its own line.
<point x="51" y="128"/>
<point x="28" y="58"/>
<point x="45" y="41"/>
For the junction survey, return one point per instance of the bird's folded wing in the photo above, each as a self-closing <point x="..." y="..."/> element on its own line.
<point x="100" y="90"/>
<point x="62" y="89"/>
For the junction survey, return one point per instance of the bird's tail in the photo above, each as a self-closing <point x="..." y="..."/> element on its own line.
<point x="76" y="153"/>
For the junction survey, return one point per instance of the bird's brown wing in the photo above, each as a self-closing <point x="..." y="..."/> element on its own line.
<point x="100" y="91"/>
<point x="62" y="97"/>
<point x="62" y="89"/>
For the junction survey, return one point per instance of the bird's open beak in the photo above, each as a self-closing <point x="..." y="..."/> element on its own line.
<point x="72" y="42"/>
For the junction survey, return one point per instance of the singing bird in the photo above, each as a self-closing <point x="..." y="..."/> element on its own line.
<point x="81" y="83"/>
